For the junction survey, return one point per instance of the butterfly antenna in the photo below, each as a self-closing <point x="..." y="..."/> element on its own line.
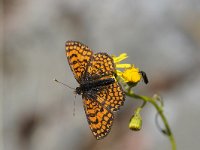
<point x="75" y="93"/>
<point x="74" y="107"/>
<point x="63" y="84"/>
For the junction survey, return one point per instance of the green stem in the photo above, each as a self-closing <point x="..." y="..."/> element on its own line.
<point x="160" y="111"/>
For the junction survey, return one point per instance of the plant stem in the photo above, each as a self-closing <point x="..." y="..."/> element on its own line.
<point x="160" y="111"/>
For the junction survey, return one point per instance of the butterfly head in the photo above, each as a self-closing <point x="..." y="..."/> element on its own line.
<point x="78" y="91"/>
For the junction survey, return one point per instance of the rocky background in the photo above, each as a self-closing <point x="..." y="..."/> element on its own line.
<point x="162" y="37"/>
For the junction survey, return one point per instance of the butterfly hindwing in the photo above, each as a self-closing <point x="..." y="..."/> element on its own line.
<point x="99" y="118"/>
<point x="111" y="96"/>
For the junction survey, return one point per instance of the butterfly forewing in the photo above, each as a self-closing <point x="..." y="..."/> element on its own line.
<point x="78" y="56"/>
<point x="100" y="65"/>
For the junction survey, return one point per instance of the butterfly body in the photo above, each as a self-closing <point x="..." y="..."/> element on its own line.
<point x="92" y="86"/>
<point x="101" y="93"/>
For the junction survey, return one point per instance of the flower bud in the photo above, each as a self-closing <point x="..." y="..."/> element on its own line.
<point x="135" y="123"/>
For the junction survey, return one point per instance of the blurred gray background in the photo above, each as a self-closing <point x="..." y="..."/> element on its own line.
<point x="162" y="37"/>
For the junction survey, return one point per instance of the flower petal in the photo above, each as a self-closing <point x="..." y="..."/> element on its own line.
<point x="123" y="66"/>
<point x="119" y="58"/>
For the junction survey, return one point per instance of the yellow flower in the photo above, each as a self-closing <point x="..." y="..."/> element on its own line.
<point x="131" y="74"/>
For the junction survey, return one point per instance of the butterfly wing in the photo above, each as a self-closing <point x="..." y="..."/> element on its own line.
<point x="78" y="56"/>
<point x="101" y="67"/>
<point x="99" y="118"/>
<point x="111" y="96"/>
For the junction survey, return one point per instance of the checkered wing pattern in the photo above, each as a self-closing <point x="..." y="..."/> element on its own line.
<point x="78" y="56"/>
<point x="99" y="118"/>
<point x="101" y="65"/>
<point x="111" y="97"/>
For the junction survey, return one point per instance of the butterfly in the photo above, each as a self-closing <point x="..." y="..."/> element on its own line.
<point x="101" y="92"/>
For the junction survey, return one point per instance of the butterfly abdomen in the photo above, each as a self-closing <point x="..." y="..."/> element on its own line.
<point x="103" y="82"/>
<point x="94" y="85"/>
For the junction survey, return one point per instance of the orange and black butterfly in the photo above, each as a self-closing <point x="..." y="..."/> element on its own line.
<point x="101" y="93"/>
